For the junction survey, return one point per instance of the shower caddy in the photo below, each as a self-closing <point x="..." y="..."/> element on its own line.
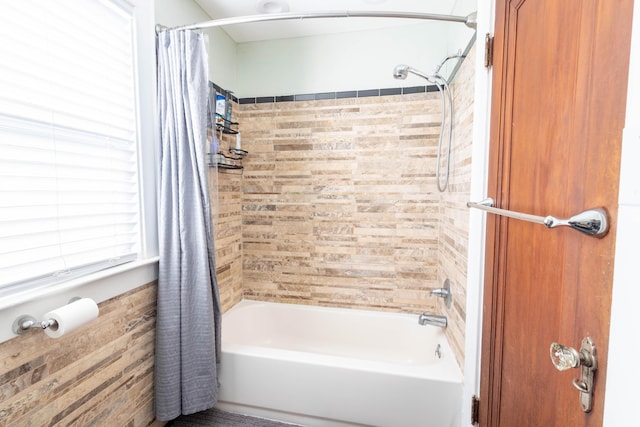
<point x="223" y="125"/>
<point x="222" y="161"/>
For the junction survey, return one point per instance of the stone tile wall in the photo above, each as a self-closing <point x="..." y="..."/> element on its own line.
<point x="100" y="374"/>
<point x="339" y="203"/>
<point x="454" y="214"/>
<point x="226" y="200"/>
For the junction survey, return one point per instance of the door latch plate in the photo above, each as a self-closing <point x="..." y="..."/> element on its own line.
<point x="588" y="368"/>
<point x="585" y="359"/>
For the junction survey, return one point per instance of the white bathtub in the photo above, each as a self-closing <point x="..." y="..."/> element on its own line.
<point x="320" y="366"/>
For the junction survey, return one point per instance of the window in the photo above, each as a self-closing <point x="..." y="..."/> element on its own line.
<point x="69" y="199"/>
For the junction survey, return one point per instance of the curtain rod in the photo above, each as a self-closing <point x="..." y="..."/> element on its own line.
<point x="469" y="20"/>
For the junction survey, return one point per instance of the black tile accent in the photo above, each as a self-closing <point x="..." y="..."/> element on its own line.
<point x="286" y="98"/>
<point x="333" y="95"/>
<point x="391" y="91"/>
<point x="265" y="99"/>
<point x="369" y="92"/>
<point x="325" y="95"/>
<point x="305" y="97"/>
<point x="347" y="94"/>
<point x="413" y="89"/>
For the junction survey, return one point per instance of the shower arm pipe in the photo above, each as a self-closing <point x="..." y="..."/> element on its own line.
<point x="469" y="20"/>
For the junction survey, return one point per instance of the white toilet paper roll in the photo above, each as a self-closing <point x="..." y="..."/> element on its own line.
<point x="71" y="317"/>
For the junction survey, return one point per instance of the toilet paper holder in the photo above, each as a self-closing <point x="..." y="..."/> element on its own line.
<point x="25" y="323"/>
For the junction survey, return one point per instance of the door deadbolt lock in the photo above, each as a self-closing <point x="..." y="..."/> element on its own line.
<point x="564" y="358"/>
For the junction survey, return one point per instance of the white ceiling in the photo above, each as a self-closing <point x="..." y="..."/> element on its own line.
<point x="242" y="33"/>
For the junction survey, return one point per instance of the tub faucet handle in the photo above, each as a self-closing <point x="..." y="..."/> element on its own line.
<point x="444" y="292"/>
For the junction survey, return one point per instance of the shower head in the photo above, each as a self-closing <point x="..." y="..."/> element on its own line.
<point x="402" y="71"/>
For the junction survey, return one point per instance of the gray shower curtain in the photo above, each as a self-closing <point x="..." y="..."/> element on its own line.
<point x="188" y="312"/>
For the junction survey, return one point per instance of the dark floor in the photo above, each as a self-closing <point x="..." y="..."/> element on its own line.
<point x="218" y="418"/>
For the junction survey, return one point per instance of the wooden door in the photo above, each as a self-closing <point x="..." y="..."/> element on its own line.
<point x="558" y="103"/>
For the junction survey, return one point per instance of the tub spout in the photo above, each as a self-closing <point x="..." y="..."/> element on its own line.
<point x="432" y="319"/>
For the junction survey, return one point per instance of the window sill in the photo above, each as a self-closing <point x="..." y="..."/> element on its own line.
<point x="99" y="286"/>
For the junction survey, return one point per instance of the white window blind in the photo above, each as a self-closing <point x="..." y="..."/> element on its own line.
<point x="69" y="200"/>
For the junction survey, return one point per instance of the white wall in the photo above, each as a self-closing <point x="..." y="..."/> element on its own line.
<point x="341" y="62"/>
<point x="329" y="63"/>
<point x="222" y="50"/>
<point x="465" y="7"/>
